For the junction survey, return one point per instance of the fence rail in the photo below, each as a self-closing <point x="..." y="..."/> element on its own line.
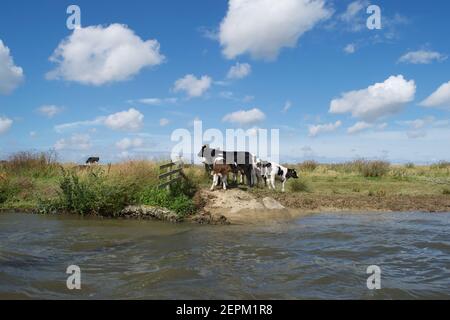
<point x="170" y="173"/>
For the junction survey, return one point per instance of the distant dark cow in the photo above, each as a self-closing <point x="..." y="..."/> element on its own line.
<point x="241" y="159"/>
<point x="92" y="160"/>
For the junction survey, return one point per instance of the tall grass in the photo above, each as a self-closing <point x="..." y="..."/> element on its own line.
<point x="34" y="164"/>
<point x="309" y="165"/>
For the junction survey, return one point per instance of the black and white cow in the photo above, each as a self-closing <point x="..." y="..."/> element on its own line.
<point x="274" y="171"/>
<point x="242" y="160"/>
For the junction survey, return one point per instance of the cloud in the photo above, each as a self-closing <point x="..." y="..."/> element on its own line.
<point x="5" y="124"/>
<point x="192" y="86"/>
<point x="422" y="57"/>
<point x="244" y="117"/>
<point x="239" y="71"/>
<point x="416" y="134"/>
<point x="287" y="106"/>
<point x="376" y="101"/>
<point x="11" y="76"/>
<point x="97" y="55"/>
<point x="354" y="15"/>
<point x="315" y="130"/>
<point x="359" y="126"/>
<point x="130" y="120"/>
<point x="263" y="27"/>
<point x="154" y="101"/>
<point x="350" y="48"/>
<point x="127" y="143"/>
<point x="50" y="110"/>
<point x="163" y="122"/>
<point x="439" y="98"/>
<point x="75" y="142"/>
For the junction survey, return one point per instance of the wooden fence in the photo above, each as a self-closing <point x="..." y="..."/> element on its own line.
<point x="170" y="173"/>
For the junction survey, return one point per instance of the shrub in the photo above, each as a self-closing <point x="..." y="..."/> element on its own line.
<point x="7" y="190"/>
<point x="446" y="191"/>
<point x="298" y="185"/>
<point x="373" y="168"/>
<point x="309" y="165"/>
<point x="89" y="194"/>
<point x="171" y="199"/>
<point x="410" y="165"/>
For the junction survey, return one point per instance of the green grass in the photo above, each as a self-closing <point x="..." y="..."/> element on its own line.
<point x="36" y="181"/>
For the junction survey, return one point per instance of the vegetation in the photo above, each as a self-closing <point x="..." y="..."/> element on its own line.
<point x="298" y="185"/>
<point x="31" y="181"/>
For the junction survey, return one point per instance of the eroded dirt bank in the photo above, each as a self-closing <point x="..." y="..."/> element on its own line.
<point x="236" y="206"/>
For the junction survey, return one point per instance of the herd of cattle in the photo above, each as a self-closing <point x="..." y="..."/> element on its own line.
<point x="221" y="164"/>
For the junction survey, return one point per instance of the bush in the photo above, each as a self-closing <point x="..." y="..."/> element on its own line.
<point x="171" y="199"/>
<point x="446" y="191"/>
<point x="410" y="165"/>
<point x="7" y="190"/>
<point x="298" y="185"/>
<point x="373" y="168"/>
<point x="91" y="194"/>
<point x="309" y="165"/>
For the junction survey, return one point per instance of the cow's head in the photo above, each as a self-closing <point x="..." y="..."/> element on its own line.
<point x="207" y="154"/>
<point x="291" y="173"/>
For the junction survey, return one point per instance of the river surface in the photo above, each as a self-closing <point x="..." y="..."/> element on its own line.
<point x="322" y="256"/>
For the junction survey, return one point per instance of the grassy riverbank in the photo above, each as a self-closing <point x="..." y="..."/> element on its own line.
<point x="38" y="182"/>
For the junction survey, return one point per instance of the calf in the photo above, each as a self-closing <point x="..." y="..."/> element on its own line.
<point x="220" y="170"/>
<point x="275" y="171"/>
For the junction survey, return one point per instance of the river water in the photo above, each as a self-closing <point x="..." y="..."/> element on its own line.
<point x="322" y="256"/>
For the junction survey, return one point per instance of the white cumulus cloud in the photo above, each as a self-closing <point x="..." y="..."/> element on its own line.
<point x="422" y="57"/>
<point x="193" y="86"/>
<point x="11" y="76"/>
<point x="50" y="110"/>
<point x="315" y="130"/>
<point x="439" y="98"/>
<point x="97" y="55"/>
<point x="263" y="27"/>
<point x="245" y="117"/>
<point x="239" y="71"/>
<point x="127" y="143"/>
<point x="376" y="101"/>
<point x="359" y="126"/>
<point x="130" y="120"/>
<point x="5" y="124"/>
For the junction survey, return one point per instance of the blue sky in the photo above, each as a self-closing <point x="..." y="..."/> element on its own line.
<point x="334" y="88"/>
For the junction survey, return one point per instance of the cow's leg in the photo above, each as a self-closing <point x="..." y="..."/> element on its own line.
<point x="215" y="178"/>
<point x="248" y="175"/>
<point x="282" y="185"/>
<point x="224" y="178"/>
<point x="272" y="181"/>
